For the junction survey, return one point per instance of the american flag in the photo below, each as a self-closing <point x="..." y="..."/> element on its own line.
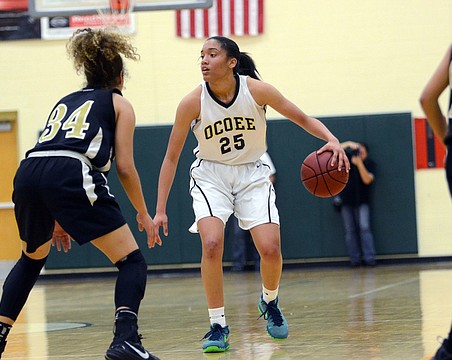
<point x="225" y="18"/>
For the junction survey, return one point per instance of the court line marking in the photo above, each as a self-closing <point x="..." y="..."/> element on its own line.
<point x="33" y="327"/>
<point x="382" y="288"/>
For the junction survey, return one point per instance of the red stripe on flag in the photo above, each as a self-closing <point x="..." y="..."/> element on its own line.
<point x="231" y="16"/>
<point x="192" y="24"/>
<point x="260" y="23"/>
<point x="220" y="16"/>
<point x="246" y="17"/>
<point x="178" y="23"/>
<point x="205" y="15"/>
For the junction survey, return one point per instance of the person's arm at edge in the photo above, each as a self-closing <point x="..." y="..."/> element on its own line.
<point x="349" y="144"/>
<point x="366" y="176"/>
<point x="431" y="93"/>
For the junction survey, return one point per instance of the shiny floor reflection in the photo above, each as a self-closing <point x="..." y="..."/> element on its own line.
<point x="383" y="313"/>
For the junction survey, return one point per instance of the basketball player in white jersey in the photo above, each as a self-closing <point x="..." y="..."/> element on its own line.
<point x="227" y="115"/>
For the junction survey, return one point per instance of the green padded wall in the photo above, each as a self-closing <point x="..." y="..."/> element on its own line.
<point x="310" y="227"/>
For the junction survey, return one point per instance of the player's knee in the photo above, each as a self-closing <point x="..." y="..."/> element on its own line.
<point x="18" y="285"/>
<point x="42" y="252"/>
<point x="134" y="259"/>
<point x="134" y="264"/>
<point x="131" y="282"/>
<point x="270" y="252"/>
<point x="212" y="248"/>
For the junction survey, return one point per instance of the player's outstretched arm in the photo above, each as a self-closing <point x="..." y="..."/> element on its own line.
<point x="125" y="166"/>
<point x="188" y="109"/>
<point x="264" y="93"/>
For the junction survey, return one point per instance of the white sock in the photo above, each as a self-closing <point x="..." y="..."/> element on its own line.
<point x="269" y="295"/>
<point x="217" y="316"/>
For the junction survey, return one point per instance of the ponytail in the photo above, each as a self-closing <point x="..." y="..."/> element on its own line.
<point x="246" y="66"/>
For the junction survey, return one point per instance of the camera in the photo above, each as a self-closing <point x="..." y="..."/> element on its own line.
<point x="352" y="152"/>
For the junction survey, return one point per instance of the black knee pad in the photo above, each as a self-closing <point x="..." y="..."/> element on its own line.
<point x="18" y="285"/>
<point x="131" y="281"/>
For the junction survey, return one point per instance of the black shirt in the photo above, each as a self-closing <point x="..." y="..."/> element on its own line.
<point x="356" y="192"/>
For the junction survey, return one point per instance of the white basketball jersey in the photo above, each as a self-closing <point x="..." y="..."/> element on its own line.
<point x="232" y="133"/>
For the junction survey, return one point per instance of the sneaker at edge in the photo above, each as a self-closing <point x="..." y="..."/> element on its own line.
<point x="276" y="322"/>
<point x="217" y="339"/>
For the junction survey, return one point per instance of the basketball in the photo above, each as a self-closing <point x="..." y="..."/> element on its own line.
<point x="320" y="178"/>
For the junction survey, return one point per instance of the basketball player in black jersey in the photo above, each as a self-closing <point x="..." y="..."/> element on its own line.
<point x="440" y="81"/>
<point x="61" y="191"/>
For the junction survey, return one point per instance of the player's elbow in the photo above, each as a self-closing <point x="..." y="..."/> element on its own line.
<point x="422" y="100"/>
<point x="425" y="99"/>
<point x="125" y="171"/>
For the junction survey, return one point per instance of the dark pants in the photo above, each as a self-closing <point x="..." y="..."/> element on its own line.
<point x="243" y="248"/>
<point x="358" y="235"/>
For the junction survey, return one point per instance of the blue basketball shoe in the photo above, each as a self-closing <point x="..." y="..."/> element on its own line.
<point x="217" y="339"/>
<point x="276" y="322"/>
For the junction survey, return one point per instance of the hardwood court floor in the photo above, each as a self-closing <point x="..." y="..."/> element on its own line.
<point x="385" y="313"/>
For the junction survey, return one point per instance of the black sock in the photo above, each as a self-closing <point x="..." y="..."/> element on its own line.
<point x="18" y="285"/>
<point x="131" y="281"/>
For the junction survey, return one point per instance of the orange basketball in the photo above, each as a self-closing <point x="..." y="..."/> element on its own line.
<point x="320" y="178"/>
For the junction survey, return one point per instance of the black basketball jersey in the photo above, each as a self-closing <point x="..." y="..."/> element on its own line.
<point x="82" y="122"/>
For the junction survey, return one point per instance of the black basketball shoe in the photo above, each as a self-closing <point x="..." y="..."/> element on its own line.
<point x="126" y="344"/>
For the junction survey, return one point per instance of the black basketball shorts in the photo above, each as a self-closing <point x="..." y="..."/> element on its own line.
<point x="67" y="190"/>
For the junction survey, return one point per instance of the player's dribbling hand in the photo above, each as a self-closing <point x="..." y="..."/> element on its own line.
<point x="161" y="220"/>
<point x="145" y="223"/>
<point x="339" y="155"/>
<point x="60" y="238"/>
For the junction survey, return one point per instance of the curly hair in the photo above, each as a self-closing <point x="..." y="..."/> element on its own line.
<point x="97" y="54"/>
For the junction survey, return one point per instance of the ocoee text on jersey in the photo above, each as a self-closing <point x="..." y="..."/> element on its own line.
<point x="229" y="124"/>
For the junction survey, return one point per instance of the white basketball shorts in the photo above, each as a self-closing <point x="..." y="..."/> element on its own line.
<point x="220" y="190"/>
